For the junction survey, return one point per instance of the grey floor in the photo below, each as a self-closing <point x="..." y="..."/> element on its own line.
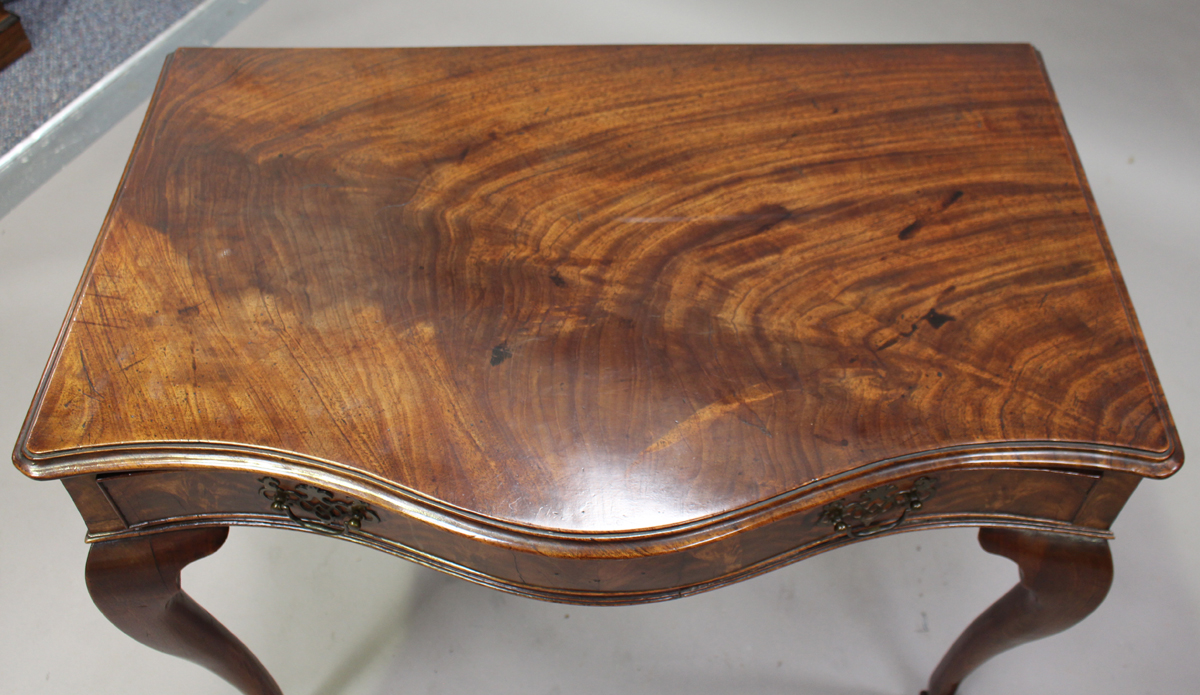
<point x="77" y="42"/>
<point x="329" y="617"/>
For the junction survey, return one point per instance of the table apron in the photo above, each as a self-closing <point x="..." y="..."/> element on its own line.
<point x="622" y="570"/>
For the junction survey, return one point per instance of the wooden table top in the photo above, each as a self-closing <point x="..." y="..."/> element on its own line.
<point x="601" y="289"/>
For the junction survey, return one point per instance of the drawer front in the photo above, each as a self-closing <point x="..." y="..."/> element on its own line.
<point x="618" y="571"/>
<point x="161" y="496"/>
<point x="162" y="499"/>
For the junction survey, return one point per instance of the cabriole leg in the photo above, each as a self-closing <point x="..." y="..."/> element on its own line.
<point x="1063" y="579"/>
<point x="135" y="584"/>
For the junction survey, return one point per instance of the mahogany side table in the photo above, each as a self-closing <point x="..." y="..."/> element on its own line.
<point x="601" y="325"/>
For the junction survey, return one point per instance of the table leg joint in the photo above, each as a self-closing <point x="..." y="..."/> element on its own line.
<point x="135" y="584"/>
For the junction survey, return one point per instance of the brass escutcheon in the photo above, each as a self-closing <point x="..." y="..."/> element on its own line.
<point x="335" y="517"/>
<point x="874" y="503"/>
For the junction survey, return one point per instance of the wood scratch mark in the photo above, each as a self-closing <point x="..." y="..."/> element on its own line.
<point x="910" y="230"/>
<point x="393" y="205"/>
<point x="97" y="323"/>
<point x="890" y="342"/>
<point x="933" y="317"/>
<point x="712" y="411"/>
<point x="703" y="218"/>
<point x="88" y="376"/>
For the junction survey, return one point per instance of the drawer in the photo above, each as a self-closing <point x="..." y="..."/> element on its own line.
<point x="621" y="570"/>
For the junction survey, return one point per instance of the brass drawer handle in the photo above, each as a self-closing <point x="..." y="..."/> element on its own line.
<point x="335" y="517"/>
<point x="874" y="503"/>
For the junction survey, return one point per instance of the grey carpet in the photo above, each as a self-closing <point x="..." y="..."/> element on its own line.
<point x="75" y="43"/>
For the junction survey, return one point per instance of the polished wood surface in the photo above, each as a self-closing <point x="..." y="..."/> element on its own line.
<point x="135" y="583"/>
<point x="622" y="570"/>
<point x="599" y="290"/>
<point x="14" y="43"/>
<point x="1063" y="579"/>
<point x="601" y="325"/>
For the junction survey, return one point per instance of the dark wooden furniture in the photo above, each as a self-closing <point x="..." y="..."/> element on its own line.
<point x="14" y="43"/>
<point x="601" y="325"/>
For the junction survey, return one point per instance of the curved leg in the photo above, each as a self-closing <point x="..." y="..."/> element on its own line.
<point x="135" y="584"/>
<point x="1063" y="579"/>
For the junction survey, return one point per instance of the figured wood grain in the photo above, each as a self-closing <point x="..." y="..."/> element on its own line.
<point x="601" y="324"/>
<point x="601" y="289"/>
